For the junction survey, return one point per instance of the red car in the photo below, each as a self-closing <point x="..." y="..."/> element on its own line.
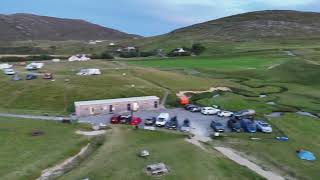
<point x="135" y="121"/>
<point x="48" y="76"/>
<point x="115" y="119"/>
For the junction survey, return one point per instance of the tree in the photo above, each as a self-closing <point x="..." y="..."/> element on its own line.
<point x="106" y="55"/>
<point x="198" y="48"/>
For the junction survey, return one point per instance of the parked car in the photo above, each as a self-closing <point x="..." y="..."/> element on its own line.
<point x="185" y="126"/>
<point x="234" y="125"/>
<point x="248" y="125"/>
<point x="125" y="119"/>
<point x="209" y="111"/>
<point x="172" y="123"/>
<point x="263" y="126"/>
<point x="9" y="72"/>
<point x="135" y="121"/>
<point x="162" y="119"/>
<point x="245" y="113"/>
<point x="31" y="77"/>
<point x="225" y="114"/>
<point x="195" y="109"/>
<point x="217" y="126"/>
<point x="48" y="76"/>
<point x="115" y="119"/>
<point x="150" y="121"/>
<point x="189" y="106"/>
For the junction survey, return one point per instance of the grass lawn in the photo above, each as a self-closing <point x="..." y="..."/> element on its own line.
<point x="303" y="133"/>
<point x="229" y="63"/>
<point x="24" y="156"/>
<point x="117" y="158"/>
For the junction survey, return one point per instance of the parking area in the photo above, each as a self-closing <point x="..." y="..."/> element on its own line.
<point x="200" y="124"/>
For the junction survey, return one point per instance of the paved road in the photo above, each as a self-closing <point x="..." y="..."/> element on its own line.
<point x="52" y="118"/>
<point x="200" y="124"/>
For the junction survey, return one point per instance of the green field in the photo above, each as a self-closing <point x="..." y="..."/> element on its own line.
<point x="229" y="63"/>
<point x="24" y="156"/>
<point x="117" y="158"/>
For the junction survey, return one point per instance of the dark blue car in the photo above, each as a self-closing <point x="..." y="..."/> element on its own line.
<point x="248" y="126"/>
<point x="31" y="76"/>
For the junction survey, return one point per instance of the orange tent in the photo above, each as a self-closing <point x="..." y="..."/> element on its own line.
<point x="184" y="100"/>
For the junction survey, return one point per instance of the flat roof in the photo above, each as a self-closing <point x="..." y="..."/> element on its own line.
<point x="111" y="101"/>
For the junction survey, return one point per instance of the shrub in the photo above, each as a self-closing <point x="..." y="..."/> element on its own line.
<point x="197" y="49"/>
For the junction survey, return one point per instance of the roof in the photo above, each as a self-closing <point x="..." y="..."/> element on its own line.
<point x="110" y="101"/>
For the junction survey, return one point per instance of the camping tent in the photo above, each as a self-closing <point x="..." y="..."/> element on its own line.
<point x="78" y="57"/>
<point x="88" y="72"/>
<point x="16" y="78"/>
<point x="306" y="155"/>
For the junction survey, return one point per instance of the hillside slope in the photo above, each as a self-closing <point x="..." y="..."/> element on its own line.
<point x="257" y="25"/>
<point x="17" y="27"/>
<point x="272" y="25"/>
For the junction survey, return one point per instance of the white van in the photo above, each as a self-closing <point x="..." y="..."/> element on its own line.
<point x="162" y="119"/>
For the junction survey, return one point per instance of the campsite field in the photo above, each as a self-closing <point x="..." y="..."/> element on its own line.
<point x="24" y="156"/>
<point x="118" y="159"/>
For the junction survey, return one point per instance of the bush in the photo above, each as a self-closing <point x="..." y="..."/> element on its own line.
<point x="147" y="53"/>
<point x="130" y="54"/>
<point x="197" y="49"/>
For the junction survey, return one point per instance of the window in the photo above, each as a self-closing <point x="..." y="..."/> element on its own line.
<point x="156" y="104"/>
<point x="129" y="107"/>
<point x="111" y="108"/>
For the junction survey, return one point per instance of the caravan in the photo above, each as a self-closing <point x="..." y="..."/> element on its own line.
<point x="34" y="66"/>
<point x="89" y="72"/>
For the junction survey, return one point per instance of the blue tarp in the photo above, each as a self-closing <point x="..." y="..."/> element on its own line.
<point x="306" y="155"/>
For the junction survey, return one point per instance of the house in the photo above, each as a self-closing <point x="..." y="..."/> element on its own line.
<point x="87" y="108"/>
<point x="129" y="49"/>
<point x="79" y="57"/>
<point x="89" y="72"/>
<point x="112" y="44"/>
<point x="34" y="66"/>
<point x="5" y="66"/>
<point x="180" y="50"/>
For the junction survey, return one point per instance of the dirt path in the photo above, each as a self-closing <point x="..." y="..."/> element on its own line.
<point x="231" y="154"/>
<point x="212" y="89"/>
<point x="91" y="133"/>
<point x="59" y="169"/>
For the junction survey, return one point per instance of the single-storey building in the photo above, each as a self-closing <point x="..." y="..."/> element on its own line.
<point x="96" y="107"/>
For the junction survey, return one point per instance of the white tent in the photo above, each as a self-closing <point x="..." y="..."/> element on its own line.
<point x="56" y="60"/>
<point x="78" y="57"/>
<point x="5" y="66"/>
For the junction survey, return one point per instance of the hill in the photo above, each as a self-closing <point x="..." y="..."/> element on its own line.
<point x="266" y="26"/>
<point x="18" y="27"/>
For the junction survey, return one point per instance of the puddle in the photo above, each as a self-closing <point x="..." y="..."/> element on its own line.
<point x="303" y="113"/>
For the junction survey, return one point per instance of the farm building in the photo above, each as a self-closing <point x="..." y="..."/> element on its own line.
<point x="87" y="108"/>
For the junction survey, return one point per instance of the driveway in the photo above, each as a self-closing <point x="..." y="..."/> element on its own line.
<point x="200" y="124"/>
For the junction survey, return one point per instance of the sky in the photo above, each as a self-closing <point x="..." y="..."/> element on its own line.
<point x="149" y="17"/>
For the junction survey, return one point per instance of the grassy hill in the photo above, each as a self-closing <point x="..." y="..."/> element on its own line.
<point x="271" y="29"/>
<point x="17" y="27"/>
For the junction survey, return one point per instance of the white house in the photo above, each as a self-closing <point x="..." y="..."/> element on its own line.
<point x="5" y="66"/>
<point x="112" y="44"/>
<point x="180" y="50"/>
<point x="79" y="57"/>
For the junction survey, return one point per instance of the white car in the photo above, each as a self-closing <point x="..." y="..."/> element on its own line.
<point x="9" y="72"/>
<point x="263" y="126"/>
<point x="225" y="114"/>
<point x="209" y="111"/>
<point x="162" y="119"/>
